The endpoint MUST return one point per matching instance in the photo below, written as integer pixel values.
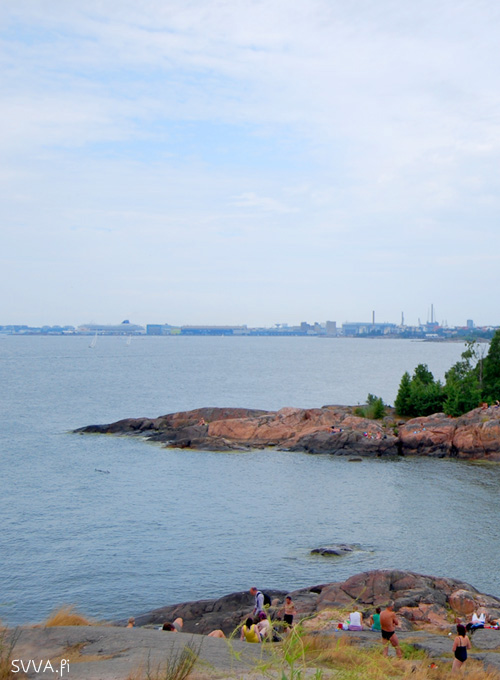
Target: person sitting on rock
(131, 622)
(355, 621)
(249, 631)
(264, 627)
(375, 620)
(216, 633)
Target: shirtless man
(388, 623)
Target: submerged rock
(339, 549)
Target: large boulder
(474, 435)
(420, 601)
(203, 616)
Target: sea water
(118, 526)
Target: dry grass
(351, 662)
(178, 665)
(67, 616)
(7, 645)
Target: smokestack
(373, 318)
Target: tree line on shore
(470, 382)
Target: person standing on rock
(289, 611)
(460, 647)
(259, 601)
(388, 623)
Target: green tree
(419, 395)
(422, 375)
(403, 399)
(463, 382)
(426, 398)
(491, 371)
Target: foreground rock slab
(333, 430)
(110, 653)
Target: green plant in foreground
(293, 663)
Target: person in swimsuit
(388, 623)
(290, 611)
(460, 647)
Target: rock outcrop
(420, 602)
(473, 435)
(334, 430)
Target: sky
(249, 162)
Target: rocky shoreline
(426, 606)
(420, 601)
(334, 430)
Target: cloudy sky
(248, 161)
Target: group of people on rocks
(268, 621)
(386, 622)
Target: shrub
(374, 409)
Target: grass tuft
(67, 616)
(7, 644)
(178, 665)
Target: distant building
(162, 329)
(331, 328)
(367, 328)
(124, 328)
(214, 330)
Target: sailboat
(93, 341)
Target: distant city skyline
(249, 162)
(328, 327)
(372, 317)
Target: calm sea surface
(166, 526)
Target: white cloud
(251, 200)
(325, 141)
